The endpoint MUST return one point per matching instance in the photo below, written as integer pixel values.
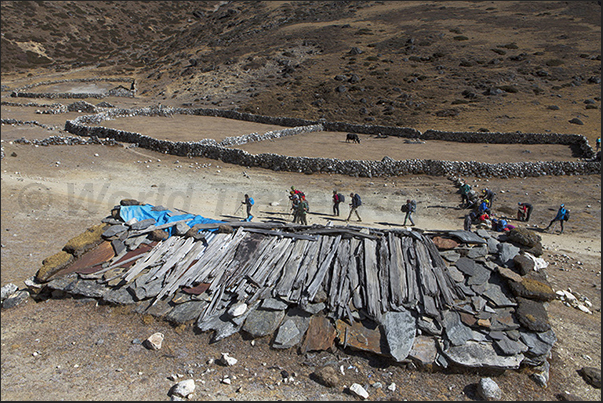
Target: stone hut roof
(441, 298)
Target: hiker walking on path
(301, 211)
(410, 207)
(337, 198)
(356, 202)
(562, 215)
(249, 202)
(598, 143)
(524, 210)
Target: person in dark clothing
(488, 196)
(561, 216)
(248, 202)
(524, 210)
(336, 202)
(410, 207)
(356, 202)
(467, 223)
(302, 210)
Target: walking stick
(237, 210)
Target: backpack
(251, 202)
(341, 198)
(413, 206)
(358, 200)
(567, 215)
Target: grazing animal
(353, 137)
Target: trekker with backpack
(249, 202)
(356, 202)
(562, 215)
(410, 207)
(337, 198)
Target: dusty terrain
(44, 204)
(72, 350)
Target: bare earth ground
(85, 352)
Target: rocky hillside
(390, 63)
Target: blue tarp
(163, 217)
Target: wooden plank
(221, 269)
(427, 280)
(282, 233)
(397, 277)
(202, 268)
(371, 275)
(134, 233)
(383, 265)
(449, 290)
(178, 277)
(213, 303)
(153, 256)
(340, 271)
(285, 283)
(325, 242)
(410, 263)
(248, 252)
(308, 264)
(355, 244)
(270, 261)
(333, 231)
(324, 266)
(278, 270)
(176, 253)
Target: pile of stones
(499, 322)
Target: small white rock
(184, 388)
(154, 341)
(228, 360)
(359, 391)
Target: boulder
(533, 286)
(524, 236)
(532, 315)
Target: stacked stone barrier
(209, 148)
(115, 92)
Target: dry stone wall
(115, 92)
(222, 151)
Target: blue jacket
(560, 213)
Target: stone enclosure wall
(115, 92)
(222, 151)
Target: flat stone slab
(467, 236)
(319, 336)
(399, 329)
(262, 322)
(480, 355)
(360, 337)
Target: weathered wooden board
(397, 276)
(285, 283)
(324, 266)
(371, 277)
(410, 264)
(383, 266)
